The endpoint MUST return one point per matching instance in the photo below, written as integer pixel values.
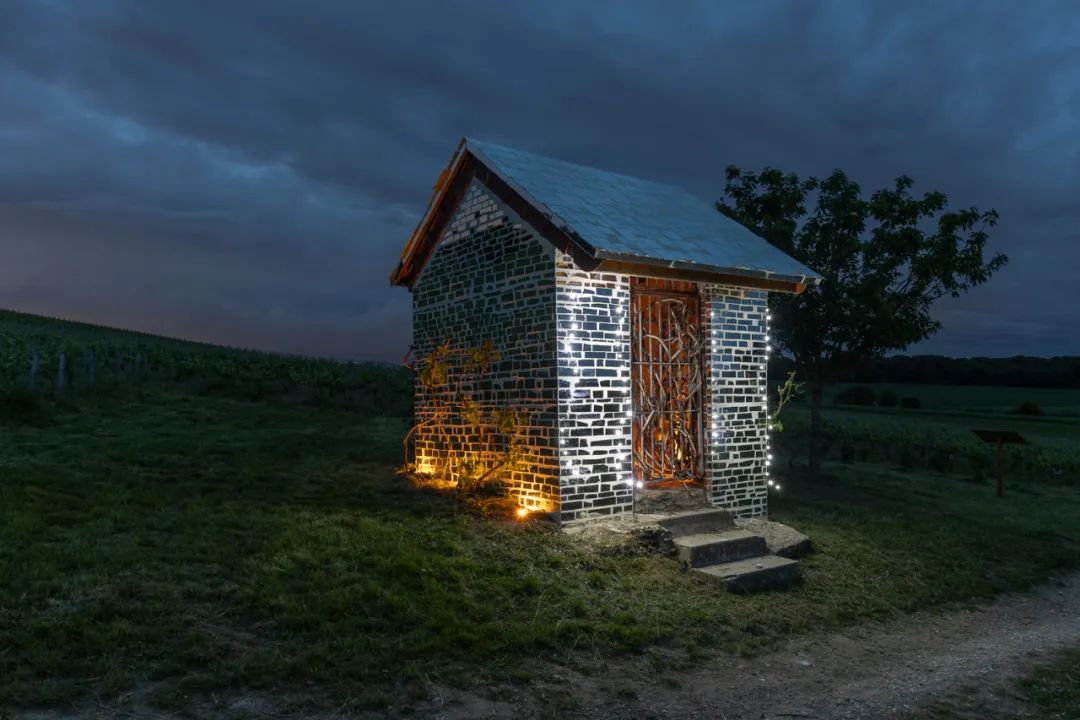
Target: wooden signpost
(1000, 438)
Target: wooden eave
(712, 277)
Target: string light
(574, 368)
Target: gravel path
(877, 670)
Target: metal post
(1000, 468)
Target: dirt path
(873, 671)
(877, 670)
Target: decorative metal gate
(667, 378)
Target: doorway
(667, 382)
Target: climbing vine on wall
(482, 443)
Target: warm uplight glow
(529, 506)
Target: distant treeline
(1019, 371)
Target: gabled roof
(606, 221)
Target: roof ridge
(471, 141)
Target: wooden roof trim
(448, 179)
(701, 276)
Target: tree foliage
(884, 261)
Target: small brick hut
(630, 320)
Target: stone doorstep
(697, 522)
(715, 548)
(734, 554)
(746, 576)
(781, 539)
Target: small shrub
(857, 395)
(887, 398)
(911, 403)
(1028, 408)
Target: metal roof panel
(624, 216)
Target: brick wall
(736, 421)
(492, 277)
(594, 392)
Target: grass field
(976, 398)
(939, 434)
(1048, 429)
(226, 522)
(194, 544)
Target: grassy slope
(209, 543)
(28, 323)
(101, 360)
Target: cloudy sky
(247, 172)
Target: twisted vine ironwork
(667, 380)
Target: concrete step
(697, 522)
(714, 548)
(745, 576)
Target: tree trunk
(816, 392)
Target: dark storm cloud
(248, 172)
